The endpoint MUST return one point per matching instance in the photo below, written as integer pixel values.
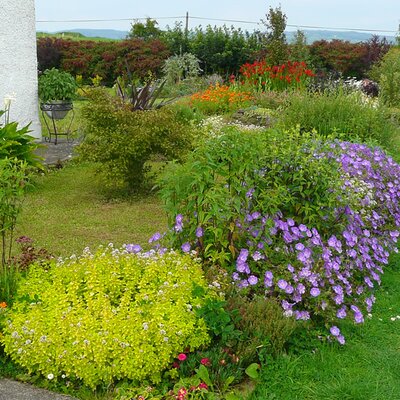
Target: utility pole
(187, 24)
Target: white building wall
(18, 62)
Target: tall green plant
(13, 179)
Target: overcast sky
(364, 14)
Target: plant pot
(57, 109)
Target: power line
(226, 20)
(218, 20)
(341, 29)
(108, 20)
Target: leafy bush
(350, 116)
(107, 316)
(107, 59)
(220, 50)
(49, 55)
(310, 222)
(387, 73)
(180, 67)
(220, 99)
(265, 329)
(340, 56)
(216, 185)
(122, 141)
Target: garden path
(12, 390)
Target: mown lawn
(68, 210)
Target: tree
(299, 50)
(275, 39)
(145, 31)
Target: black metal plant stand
(52, 114)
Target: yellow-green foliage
(107, 316)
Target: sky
(383, 15)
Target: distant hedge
(108, 59)
(220, 50)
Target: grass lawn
(68, 211)
(366, 368)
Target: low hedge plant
(103, 317)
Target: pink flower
(182, 357)
(202, 385)
(205, 361)
(182, 393)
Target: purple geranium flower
(133, 248)
(186, 247)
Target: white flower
(8, 98)
(50, 376)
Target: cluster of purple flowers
(331, 271)
(334, 275)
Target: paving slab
(59, 153)
(12, 390)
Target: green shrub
(387, 73)
(211, 190)
(263, 325)
(180, 67)
(107, 316)
(123, 141)
(350, 116)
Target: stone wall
(18, 62)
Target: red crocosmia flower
(205, 361)
(182, 357)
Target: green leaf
(202, 373)
(252, 371)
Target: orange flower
(3, 305)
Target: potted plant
(57, 89)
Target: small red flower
(182, 357)
(3, 305)
(205, 361)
